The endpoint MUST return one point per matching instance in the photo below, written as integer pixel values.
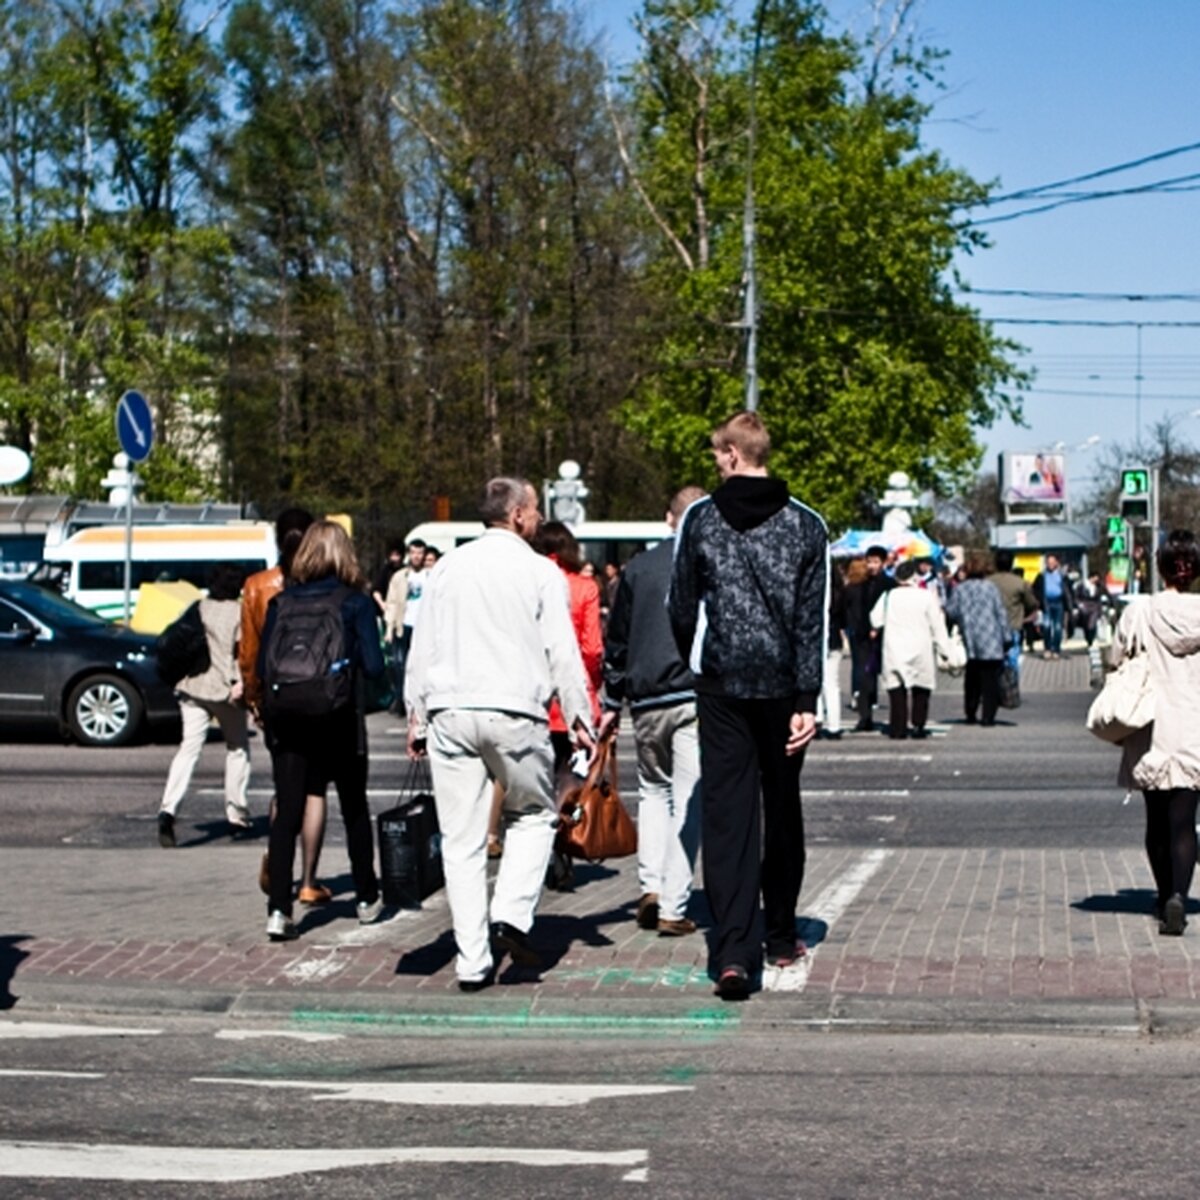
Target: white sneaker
(368, 914)
(280, 927)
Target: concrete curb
(509, 1010)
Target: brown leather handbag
(593, 823)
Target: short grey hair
(500, 496)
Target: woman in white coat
(1163, 759)
(913, 630)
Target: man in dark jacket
(642, 666)
(748, 605)
(866, 643)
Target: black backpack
(182, 648)
(306, 671)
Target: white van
(602, 541)
(89, 567)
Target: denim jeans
(1052, 625)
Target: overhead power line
(1036, 294)
(1161, 185)
(1031, 192)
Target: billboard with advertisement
(1033, 478)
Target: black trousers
(1171, 839)
(898, 715)
(981, 686)
(307, 754)
(746, 773)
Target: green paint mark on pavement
(703, 1020)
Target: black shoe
(919, 733)
(166, 830)
(647, 911)
(477, 985)
(733, 984)
(510, 938)
(865, 727)
(560, 873)
(1173, 919)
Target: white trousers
(468, 749)
(668, 758)
(829, 706)
(196, 715)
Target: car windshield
(50, 607)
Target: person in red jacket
(559, 545)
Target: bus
(89, 567)
(603, 542)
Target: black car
(61, 664)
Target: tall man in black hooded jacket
(748, 605)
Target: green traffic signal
(1135, 481)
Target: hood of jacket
(1174, 620)
(747, 501)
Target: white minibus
(602, 541)
(89, 567)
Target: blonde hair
(325, 550)
(748, 434)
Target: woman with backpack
(290, 527)
(215, 692)
(319, 641)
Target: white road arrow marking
(19, 1073)
(472, 1095)
(246, 1035)
(18, 1030)
(201, 1164)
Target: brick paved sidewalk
(185, 929)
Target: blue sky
(1041, 90)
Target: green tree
(867, 363)
(100, 248)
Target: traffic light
(1118, 545)
(1135, 494)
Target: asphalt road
(196, 1107)
(1035, 780)
(767, 1114)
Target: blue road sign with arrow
(135, 425)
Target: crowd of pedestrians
(512, 658)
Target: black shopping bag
(410, 844)
(1010, 687)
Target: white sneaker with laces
(280, 927)
(368, 914)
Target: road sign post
(135, 432)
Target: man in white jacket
(494, 645)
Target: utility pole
(750, 312)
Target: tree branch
(656, 216)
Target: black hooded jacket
(749, 598)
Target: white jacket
(1166, 754)
(913, 628)
(495, 633)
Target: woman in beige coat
(1163, 759)
(913, 629)
(215, 693)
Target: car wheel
(104, 710)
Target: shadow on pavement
(1127, 900)
(204, 832)
(10, 957)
